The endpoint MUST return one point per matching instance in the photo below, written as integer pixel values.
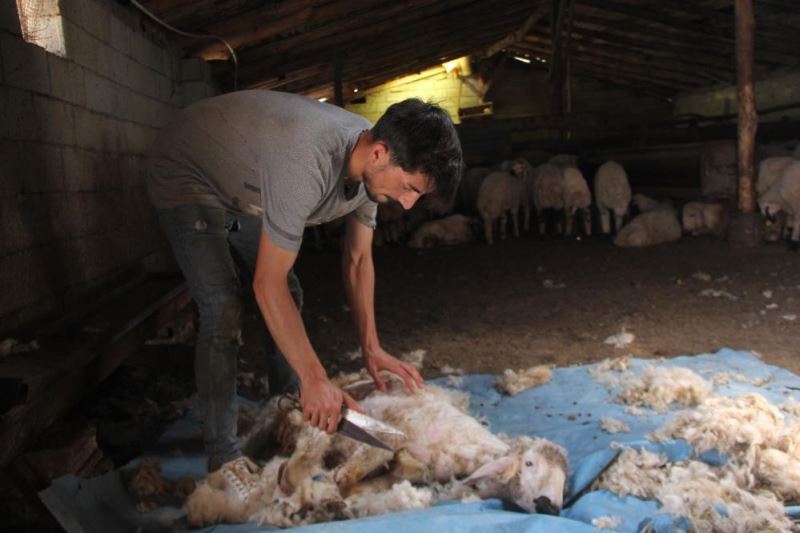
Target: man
(235, 179)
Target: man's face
(385, 182)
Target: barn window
(40, 21)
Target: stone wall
(74, 216)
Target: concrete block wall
(434, 85)
(774, 91)
(74, 215)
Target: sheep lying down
(445, 454)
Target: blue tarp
(567, 410)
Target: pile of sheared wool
(658, 387)
(415, 357)
(613, 425)
(400, 497)
(607, 522)
(752, 432)
(607, 371)
(512, 383)
(712, 499)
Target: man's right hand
(322, 403)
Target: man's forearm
(359, 281)
(286, 327)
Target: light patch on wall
(40, 22)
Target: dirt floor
(529, 301)
(515, 304)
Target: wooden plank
(516, 36)
(67, 366)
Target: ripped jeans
(217, 250)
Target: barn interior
(99, 326)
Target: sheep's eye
(529, 463)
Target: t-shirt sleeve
(288, 196)
(366, 213)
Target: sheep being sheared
(784, 196)
(612, 194)
(577, 200)
(328, 477)
(442, 441)
(499, 194)
(455, 229)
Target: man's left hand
(379, 359)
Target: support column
(746, 226)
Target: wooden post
(748, 116)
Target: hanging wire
(173, 29)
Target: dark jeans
(217, 251)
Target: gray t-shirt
(275, 154)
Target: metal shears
(357, 426)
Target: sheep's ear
(503, 469)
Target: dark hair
(421, 138)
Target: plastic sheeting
(566, 410)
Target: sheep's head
(769, 207)
(692, 217)
(533, 475)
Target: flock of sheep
(561, 199)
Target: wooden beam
(516, 36)
(667, 66)
(748, 116)
(658, 75)
(437, 28)
(664, 61)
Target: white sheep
(499, 194)
(612, 193)
(525, 172)
(784, 196)
(701, 218)
(548, 194)
(467, 197)
(577, 200)
(769, 170)
(644, 203)
(653, 227)
(442, 441)
(454, 229)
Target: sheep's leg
(362, 462)
(569, 218)
(586, 215)
(605, 221)
(542, 221)
(503, 221)
(560, 215)
(617, 223)
(487, 228)
(404, 466)
(526, 221)
(515, 221)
